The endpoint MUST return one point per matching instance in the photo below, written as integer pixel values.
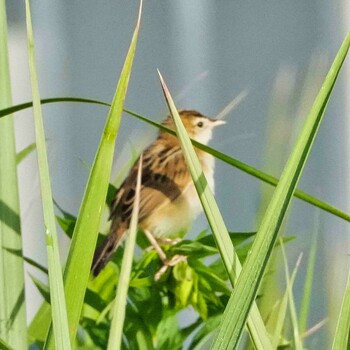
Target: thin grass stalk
(230, 259)
(13, 326)
(76, 274)
(341, 337)
(244, 294)
(120, 302)
(273, 153)
(4, 345)
(277, 333)
(298, 343)
(58, 303)
(39, 326)
(307, 294)
(281, 315)
(271, 180)
(21, 155)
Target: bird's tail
(106, 250)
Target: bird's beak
(217, 122)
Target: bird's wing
(164, 178)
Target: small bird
(168, 198)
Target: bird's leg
(156, 246)
(167, 263)
(172, 262)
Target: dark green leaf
(25, 152)
(42, 288)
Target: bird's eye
(200, 124)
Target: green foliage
(246, 168)
(25, 152)
(57, 297)
(154, 307)
(86, 229)
(12, 300)
(218, 298)
(245, 292)
(255, 324)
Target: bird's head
(198, 126)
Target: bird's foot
(170, 241)
(168, 263)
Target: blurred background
(208, 52)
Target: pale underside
(165, 211)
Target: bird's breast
(175, 218)
(207, 163)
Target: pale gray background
(208, 52)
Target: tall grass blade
(85, 234)
(249, 280)
(116, 330)
(288, 295)
(224, 157)
(21, 155)
(307, 294)
(279, 321)
(232, 264)
(341, 338)
(58, 304)
(39, 327)
(12, 304)
(298, 343)
(4, 345)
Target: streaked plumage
(168, 199)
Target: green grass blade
(224, 157)
(288, 296)
(17, 108)
(84, 239)
(25, 152)
(298, 343)
(116, 330)
(12, 304)
(245, 291)
(341, 338)
(4, 345)
(271, 180)
(232, 264)
(278, 325)
(22, 106)
(39, 327)
(28, 260)
(58, 304)
(307, 294)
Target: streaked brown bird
(168, 198)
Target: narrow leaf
(271, 180)
(42, 288)
(232, 264)
(84, 239)
(28, 260)
(58, 304)
(341, 338)
(282, 310)
(25, 152)
(298, 344)
(120, 302)
(307, 294)
(249, 280)
(39, 327)
(4, 345)
(12, 304)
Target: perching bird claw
(168, 198)
(176, 259)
